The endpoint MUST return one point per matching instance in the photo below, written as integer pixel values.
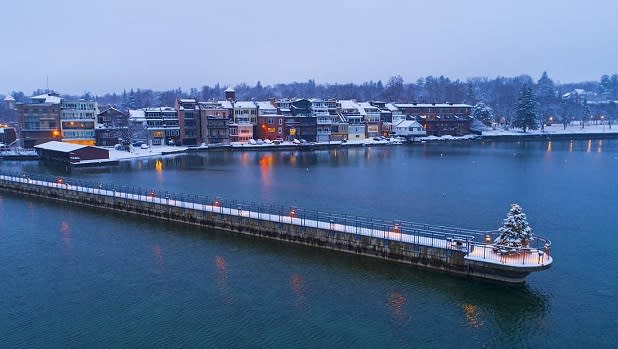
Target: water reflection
(158, 255)
(600, 146)
(396, 301)
(221, 281)
(549, 147)
(472, 315)
(66, 237)
(297, 285)
(266, 164)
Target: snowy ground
(574, 128)
(137, 152)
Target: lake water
(77, 277)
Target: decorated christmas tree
(515, 232)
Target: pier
(448, 249)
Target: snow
(429, 105)
(59, 146)
(530, 258)
(9, 98)
(48, 98)
(244, 105)
(574, 128)
(137, 152)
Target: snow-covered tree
(515, 231)
(525, 110)
(483, 113)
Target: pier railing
(475, 244)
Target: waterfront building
(270, 126)
(371, 118)
(439, 119)
(8, 135)
(39, 120)
(301, 125)
(78, 120)
(112, 127)
(284, 106)
(241, 132)
(350, 111)
(162, 126)
(324, 122)
(396, 113)
(214, 121)
(138, 130)
(266, 108)
(188, 121)
(408, 129)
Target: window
(280, 121)
(270, 121)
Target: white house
(408, 129)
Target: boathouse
(70, 153)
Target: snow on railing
(475, 244)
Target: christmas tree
(515, 232)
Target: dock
(448, 249)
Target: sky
(107, 46)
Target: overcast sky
(107, 46)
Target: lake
(75, 277)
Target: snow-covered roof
(348, 104)
(229, 89)
(226, 104)
(430, 105)
(391, 107)
(60, 146)
(368, 108)
(137, 114)
(245, 105)
(47, 98)
(265, 106)
(9, 98)
(408, 123)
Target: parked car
(144, 146)
(252, 141)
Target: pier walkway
(474, 246)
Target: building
(270, 126)
(320, 111)
(78, 120)
(245, 112)
(372, 119)
(408, 129)
(138, 130)
(349, 111)
(9, 102)
(189, 121)
(440, 119)
(162, 126)
(8, 135)
(241, 133)
(284, 106)
(112, 127)
(39, 120)
(69, 152)
(266, 108)
(214, 122)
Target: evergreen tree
(483, 113)
(525, 110)
(515, 231)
